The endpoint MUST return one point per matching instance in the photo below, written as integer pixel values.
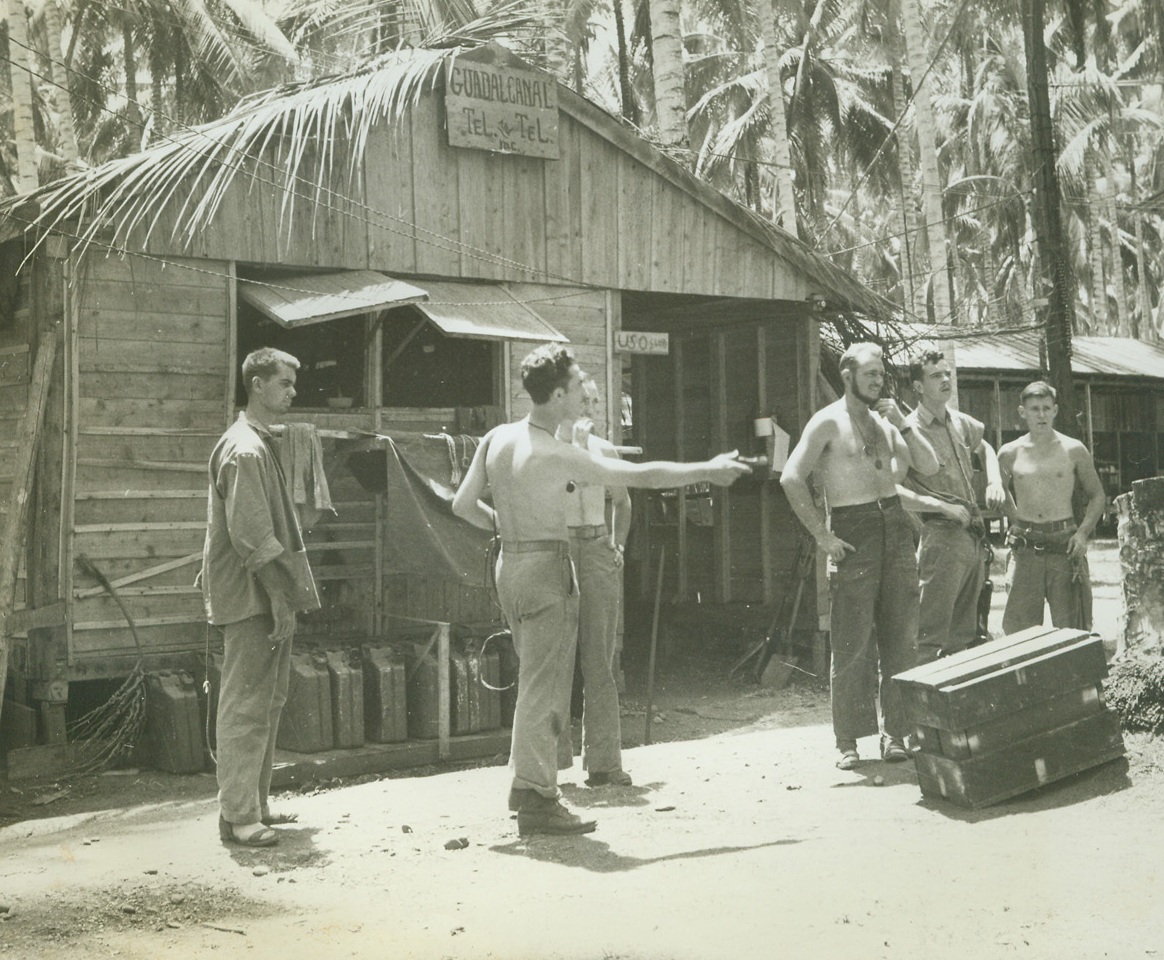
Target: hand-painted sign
(632, 341)
(501, 109)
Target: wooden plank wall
(724, 379)
(745, 560)
(149, 358)
(597, 217)
(789, 351)
(16, 358)
(581, 316)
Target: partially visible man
(597, 554)
(1048, 547)
(952, 552)
(858, 447)
(528, 470)
(255, 578)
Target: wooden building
(572, 228)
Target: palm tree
(670, 84)
(935, 232)
(784, 203)
(22, 70)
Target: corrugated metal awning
(314, 298)
(1019, 352)
(483, 311)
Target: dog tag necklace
(571, 486)
(873, 454)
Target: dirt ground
(739, 839)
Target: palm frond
(271, 136)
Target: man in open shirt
(255, 578)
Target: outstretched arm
(593, 467)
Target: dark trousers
(874, 618)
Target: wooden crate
(1024, 764)
(1011, 715)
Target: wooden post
(1141, 539)
(444, 698)
(27, 441)
(723, 498)
(681, 493)
(764, 409)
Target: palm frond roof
(191, 170)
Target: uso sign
(633, 341)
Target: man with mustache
(858, 448)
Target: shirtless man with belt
(858, 448)
(528, 471)
(1048, 548)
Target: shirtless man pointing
(858, 448)
(528, 472)
(1048, 548)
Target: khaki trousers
(255, 677)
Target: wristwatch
(905, 429)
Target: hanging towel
(301, 458)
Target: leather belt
(592, 531)
(559, 547)
(885, 503)
(1050, 526)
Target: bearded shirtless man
(528, 471)
(1048, 548)
(858, 448)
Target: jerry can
(385, 702)
(173, 737)
(423, 696)
(346, 676)
(307, 725)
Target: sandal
(278, 819)
(265, 837)
(848, 759)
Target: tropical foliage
(892, 136)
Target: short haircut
(1040, 388)
(264, 363)
(917, 366)
(859, 353)
(545, 369)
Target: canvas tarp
(417, 474)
